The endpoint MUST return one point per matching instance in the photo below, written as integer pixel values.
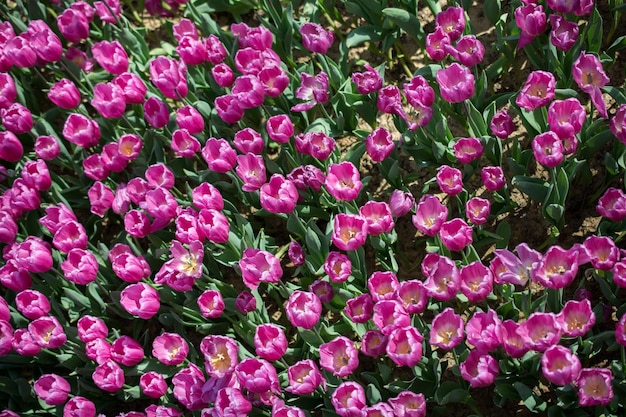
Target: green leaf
(535, 188)
(362, 34)
(450, 392)
(492, 10)
(477, 124)
(531, 400)
(408, 22)
(594, 32)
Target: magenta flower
(108, 376)
(52, 389)
(380, 409)
(323, 290)
(343, 181)
(594, 386)
(245, 302)
(404, 346)
(219, 155)
(211, 304)
(368, 81)
(11, 149)
(111, 56)
(313, 89)
(456, 83)
(80, 267)
(408, 404)
(270, 341)
(140, 300)
(413, 296)
(91, 328)
(548, 149)
(483, 330)
(564, 33)
(373, 343)
(192, 51)
(339, 356)
(492, 178)
(251, 169)
(17, 118)
(467, 150)
(126, 351)
(188, 383)
(279, 128)
(184, 145)
(257, 376)
(429, 215)
(378, 217)
(531, 19)
(477, 210)
(540, 331)
(170, 348)
(566, 117)
(156, 112)
(7, 336)
(169, 76)
(479, 369)
(501, 124)
(73, 25)
(390, 101)
(612, 204)
(455, 234)
(153, 384)
(296, 253)
(248, 140)
(360, 308)
(538, 90)
(81, 130)
(46, 148)
(249, 91)
(450, 180)
(32, 304)
(469, 51)
(207, 196)
(337, 266)
(389, 315)
(8, 91)
(220, 354)
(512, 342)
(400, 202)
(383, 285)
(447, 329)
(315, 38)
(618, 123)
(507, 267)
(576, 318)
(476, 281)
(214, 225)
(557, 268)
(259, 266)
(452, 21)
(79, 406)
(437, 44)
(279, 195)
(590, 77)
(64, 94)
(132, 86)
(317, 144)
(304, 377)
(602, 251)
(349, 231)
(303, 309)
(444, 280)
(348, 399)
(620, 330)
(379, 144)
(47, 332)
(230, 401)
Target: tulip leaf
(405, 20)
(536, 188)
(531, 400)
(492, 10)
(362, 34)
(594, 32)
(451, 392)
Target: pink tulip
(140, 300)
(108, 376)
(296, 253)
(452, 21)
(413, 296)
(349, 231)
(73, 25)
(169, 76)
(111, 56)
(220, 354)
(259, 37)
(188, 383)
(211, 304)
(339, 356)
(317, 144)
(400, 202)
(389, 315)
(228, 108)
(368, 81)
(590, 77)
(32, 304)
(437, 44)
(447, 329)
(477, 210)
(456, 83)
(540, 331)
(245, 302)
(170, 348)
(408, 403)
(479, 369)
(109, 11)
(215, 49)
(315, 38)
(343, 181)
(249, 140)
(153, 384)
(81, 130)
(192, 51)
(576, 318)
(564, 33)
(566, 117)
(618, 123)
(512, 342)
(11, 149)
(270, 341)
(207, 196)
(360, 308)
(612, 204)
(251, 170)
(476, 282)
(383, 285)
(492, 178)
(348, 399)
(557, 268)
(602, 251)
(137, 223)
(259, 266)
(594, 387)
(17, 119)
(390, 101)
(156, 112)
(132, 86)
(8, 91)
(455, 234)
(219, 155)
(379, 144)
(279, 128)
(307, 176)
(404, 346)
(231, 402)
(303, 309)
(304, 377)
(483, 330)
(338, 267)
(467, 150)
(22, 341)
(531, 19)
(378, 217)
(538, 90)
(79, 406)
(47, 332)
(548, 149)
(443, 281)
(373, 343)
(257, 376)
(126, 351)
(313, 89)
(91, 328)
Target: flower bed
(272, 208)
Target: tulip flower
(270, 341)
(594, 387)
(153, 384)
(538, 90)
(360, 308)
(248, 140)
(315, 38)
(343, 181)
(590, 77)
(220, 354)
(348, 399)
(279, 128)
(456, 83)
(479, 369)
(404, 346)
(349, 231)
(447, 330)
(303, 309)
(339, 356)
(408, 403)
(140, 300)
(379, 144)
(368, 81)
(576, 318)
(313, 89)
(188, 383)
(531, 19)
